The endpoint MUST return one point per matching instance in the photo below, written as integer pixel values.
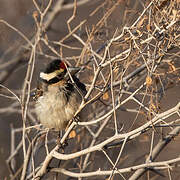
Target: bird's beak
(72, 71)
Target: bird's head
(57, 71)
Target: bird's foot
(61, 145)
(76, 119)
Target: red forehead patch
(62, 65)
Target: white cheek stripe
(49, 76)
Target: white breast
(54, 110)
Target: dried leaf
(148, 81)
(72, 134)
(127, 39)
(172, 67)
(139, 32)
(141, 22)
(148, 27)
(105, 96)
(35, 14)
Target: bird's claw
(61, 145)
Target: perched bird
(58, 96)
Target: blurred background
(14, 56)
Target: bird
(58, 95)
